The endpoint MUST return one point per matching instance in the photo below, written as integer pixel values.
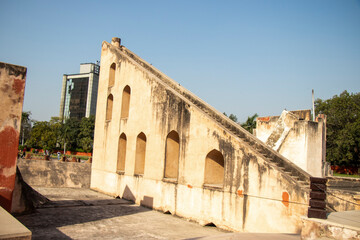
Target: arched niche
(125, 103)
(214, 168)
(109, 107)
(140, 154)
(172, 155)
(121, 153)
(112, 75)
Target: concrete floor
(86, 214)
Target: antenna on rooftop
(313, 105)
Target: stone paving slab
(350, 219)
(10, 228)
(86, 214)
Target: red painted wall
(12, 85)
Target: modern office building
(79, 92)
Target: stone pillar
(115, 41)
(62, 99)
(12, 86)
(317, 198)
(89, 94)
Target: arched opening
(125, 103)
(109, 106)
(214, 168)
(121, 153)
(140, 154)
(112, 75)
(172, 155)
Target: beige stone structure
(160, 146)
(12, 88)
(297, 138)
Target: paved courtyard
(86, 214)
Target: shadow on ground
(48, 218)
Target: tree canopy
(231, 116)
(343, 128)
(25, 128)
(76, 135)
(250, 123)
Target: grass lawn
(345, 175)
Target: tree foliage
(25, 128)
(86, 135)
(250, 123)
(75, 134)
(343, 128)
(43, 136)
(231, 116)
(70, 132)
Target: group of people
(22, 153)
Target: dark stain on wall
(245, 161)
(173, 113)
(262, 169)
(227, 149)
(14, 70)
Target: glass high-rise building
(79, 92)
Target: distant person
(58, 154)
(23, 152)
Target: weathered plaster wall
(262, 192)
(12, 86)
(343, 193)
(295, 137)
(265, 126)
(323, 229)
(55, 174)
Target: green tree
(250, 123)
(42, 136)
(86, 134)
(69, 133)
(231, 116)
(25, 128)
(343, 128)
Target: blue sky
(242, 57)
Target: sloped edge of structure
(299, 176)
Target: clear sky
(242, 57)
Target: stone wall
(44, 173)
(12, 87)
(343, 193)
(160, 146)
(297, 138)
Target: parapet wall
(42, 173)
(343, 193)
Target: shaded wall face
(121, 153)
(172, 155)
(55, 174)
(12, 85)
